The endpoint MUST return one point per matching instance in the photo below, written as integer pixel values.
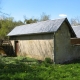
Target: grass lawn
(20, 68)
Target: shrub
(48, 60)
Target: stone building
(51, 38)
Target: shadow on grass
(19, 69)
(29, 69)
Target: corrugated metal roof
(77, 30)
(36, 28)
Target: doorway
(16, 47)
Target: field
(21, 68)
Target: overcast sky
(34, 8)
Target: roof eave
(31, 34)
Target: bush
(48, 60)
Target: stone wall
(35, 46)
(62, 45)
(75, 51)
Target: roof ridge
(42, 21)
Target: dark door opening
(16, 47)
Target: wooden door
(16, 47)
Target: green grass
(20, 68)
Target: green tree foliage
(6, 25)
(29, 21)
(43, 17)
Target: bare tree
(75, 21)
(44, 17)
